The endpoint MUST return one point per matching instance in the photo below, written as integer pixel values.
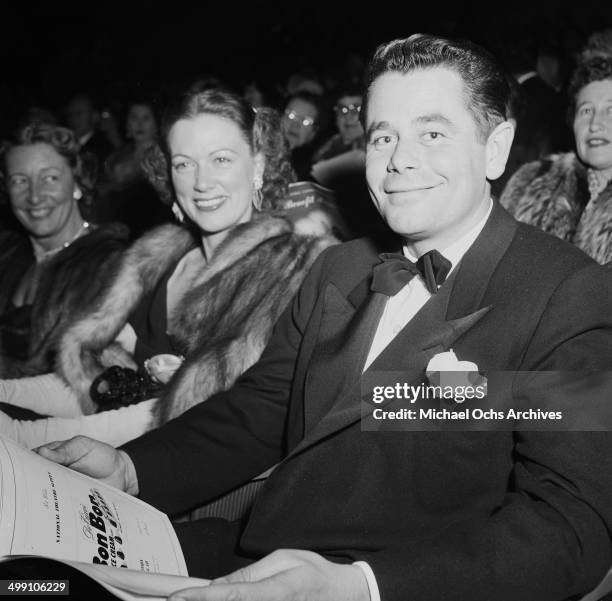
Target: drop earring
(178, 212)
(257, 194)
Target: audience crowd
(147, 250)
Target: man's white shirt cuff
(370, 578)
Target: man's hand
(93, 458)
(285, 575)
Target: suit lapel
(333, 386)
(346, 328)
(480, 261)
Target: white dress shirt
(402, 307)
(398, 311)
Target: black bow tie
(394, 271)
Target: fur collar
(553, 194)
(252, 274)
(70, 281)
(549, 194)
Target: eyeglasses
(347, 109)
(303, 121)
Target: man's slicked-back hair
(484, 81)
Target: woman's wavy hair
(591, 68)
(260, 128)
(83, 165)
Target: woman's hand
(94, 458)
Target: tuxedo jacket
(437, 515)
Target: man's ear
(260, 165)
(497, 149)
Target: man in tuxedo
(351, 514)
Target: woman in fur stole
(59, 263)
(570, 195)
(209, 290)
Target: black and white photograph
(306, 301)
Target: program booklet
(51, 511)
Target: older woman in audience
(570, 195)
(59, 263)
(194, 302)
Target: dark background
(54, 49)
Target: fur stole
(70, 282)
(594, 232)
(221, 324)
(553, 195)
(549, 194)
